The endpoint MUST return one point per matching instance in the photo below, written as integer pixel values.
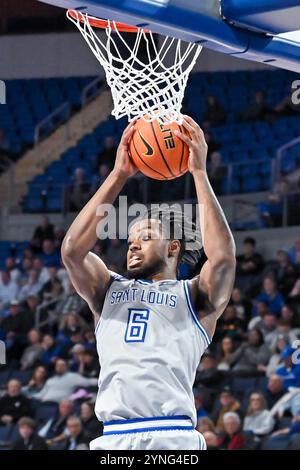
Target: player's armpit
(213, 287)
(90, 277)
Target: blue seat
(44, 412)
(22, 375)
(243, 387)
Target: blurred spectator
(294, 250)
(14, 405)
(227, 402)
(275, 360)
(70, 324)
(212, 145)
(205, 424)
(108, 155)
(31, 287)
(89, 364)
(290, 371)
(36, 383)
(53, 288)
(268, 327)
(287, 438)
(295, 292)
(288, 313)
(11, 267)
(76, 359)
(33, 352)
(258, 419)
(274, 391)
(99, 179)
(285, 272)
(28, 439)
(38, 266)
(63, 383)
(258, 110)
(287, 107)
(8, 289)
(59, 234)
(211, 439)
(44, 231)
(78, 439)
(79, 191)
(214, 113)
(249, 267)
(89, 339)
(72, 302)
(208, 378)
(271, 210)
(284, 329)
(234, 438)
(91, 425)
(262, 310)
(199, 399)
(30, 308)
(51, 350)
(250, 355)
(227, 349)
(50, 255)
(216, 172)
(17, 321)
(25, 271)
(28, 254)
(54, 429)
(230, 325)
(242, 305)
(271, 296)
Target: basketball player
(151, 329)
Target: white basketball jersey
(150, 342)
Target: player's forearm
(218, 242)
(81, 236)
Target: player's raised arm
(87, 271)
(217, 275)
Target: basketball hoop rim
(103, 24)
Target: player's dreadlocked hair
(178, 226)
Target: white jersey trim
(194, 313)
(148, 424)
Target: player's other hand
(124, 166)
(196, 143)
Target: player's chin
(134, 272)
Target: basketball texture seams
(157, 151)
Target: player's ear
(174, 248)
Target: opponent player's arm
(87, 272)
(217, 275)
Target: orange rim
(102, 24)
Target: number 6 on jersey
(136, 325)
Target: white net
(142, 81)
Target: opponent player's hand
(196, 144)
(124, 166)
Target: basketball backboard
(248, 29)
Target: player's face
(147, 250)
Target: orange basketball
(157, 151)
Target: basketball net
(150, 89)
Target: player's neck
(166, 274)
